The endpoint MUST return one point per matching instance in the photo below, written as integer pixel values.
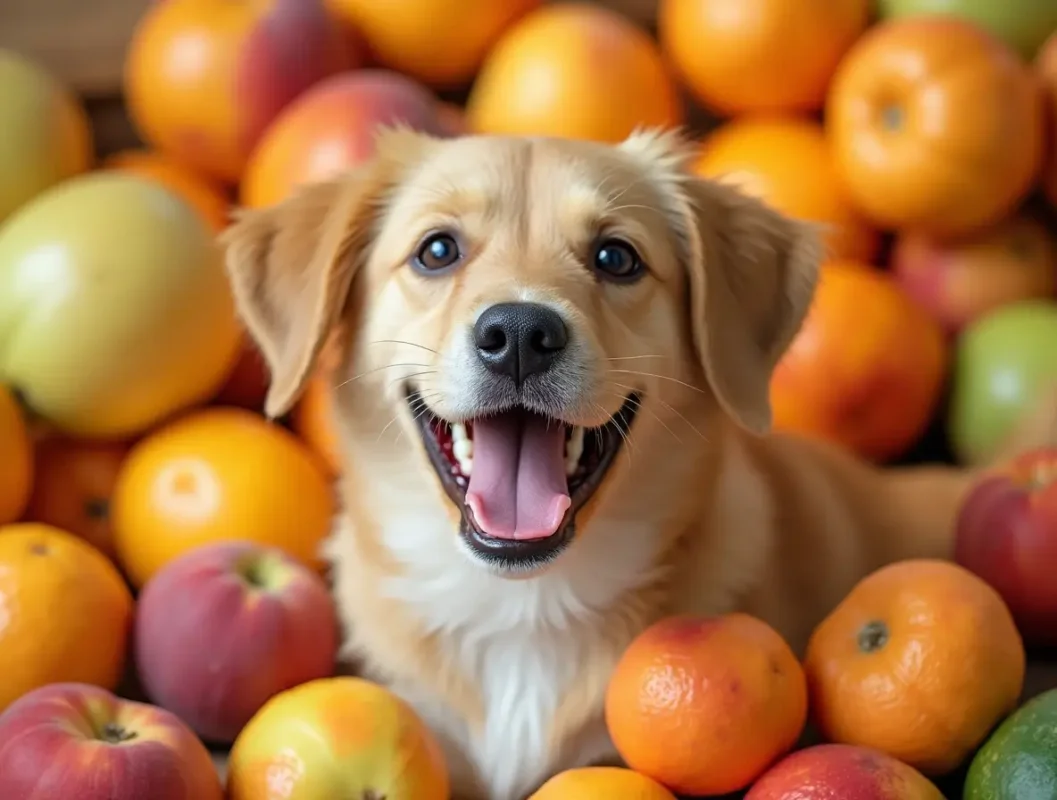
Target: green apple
(1003, 362)
(115, 311)
(45, 137)
(1022, 24)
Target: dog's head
(522, 304)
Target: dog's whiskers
(668, 406)
(639, 407)
(659, 377)
(401, 341)
(355, 378)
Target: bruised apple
(227, 626)
(80, 742)
(1007, 534)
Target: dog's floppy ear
(752, 274)
(290, 267)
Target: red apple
(1007, 534)
(958, 282)
(79, 742)
(225, 627)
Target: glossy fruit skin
(960, 281)
(786, 161)
(592, 783)
(47, 136)
(213, 475)
(1022, 24)
(204, 78)
(865, 370)
(705, 705)
(759, 55)
(946, 154)
(842, 772)
(1046, 69)
(69, 612)
(1006, 533)
(16, 459)
(73, 487)
(331, 128)
(206, 197)
(117, 338)
(919, 661)
(402, 34)
(227, 626)
(338, 736)
(1003, 363)
(573, 70)
(52, 746)
(1019, 760)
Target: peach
(225, 627)
(958, 282)
(204, 78)
(79, 742)
(332, 127)
(337, 737)
(829, 771)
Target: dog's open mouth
(520, 477)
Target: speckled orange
(704, 705)
(920, 661)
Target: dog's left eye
(437, 251)
(617, 260)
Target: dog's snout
(519, 339)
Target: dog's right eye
(437, 251)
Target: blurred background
(918, 133)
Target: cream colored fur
(704, 511)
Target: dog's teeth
(462, 448)
(458, 431)
(574, 449)
(465, 466)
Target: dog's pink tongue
(518, 488)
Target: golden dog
(552, 399)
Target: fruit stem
(259, 571)
(371, 794)
(113, 733)
(873, 636)
(892, 118)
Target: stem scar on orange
(919, 661)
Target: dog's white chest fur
(520, 643)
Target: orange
(936, 126)
(313, 420)
(759, 55)
(592, 783)
(200, 193)
(705, 705)
(220, 473)
(1046, 68)
(403, 34)
(786, 162)
(66, 612)
(16, 458)
(865, 370)
(574, 70)
(73, 486)
(919, 661)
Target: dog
(550, 382)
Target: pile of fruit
(160, 538)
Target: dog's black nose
(519, 339)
